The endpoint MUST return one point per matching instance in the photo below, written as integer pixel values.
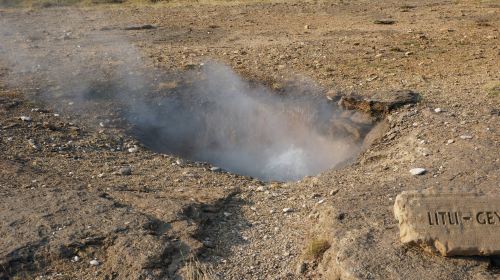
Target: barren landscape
(241, 140)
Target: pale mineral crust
(451, 223)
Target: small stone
(33, 145)
(450, 141)
(179, 161)
(321, 201)
(94, 262)
(384, 21)
(287, 210)
(25, 118)
(227, 214)
(260, 188)
(465, 137)
(306, 27)
(437, 110)
(408, 53)
(215, 169)
(334, 192)
(125, 171)
(417, 171)
(301, 268)
(208, 244)
(76, 258)
(425, 152)
(133, 149)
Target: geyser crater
(215, 116)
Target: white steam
(244, 128)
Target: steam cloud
(211, 114)
(244, 128)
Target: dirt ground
(66, 191)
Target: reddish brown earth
(173, 219)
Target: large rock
(379, 106)
(451, 223)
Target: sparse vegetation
(316, 248)
(195, 270)
(493, 88)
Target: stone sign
(451, 223)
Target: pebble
(334, 191)
(76, 258)
(94, 262)
(215, 169)
(33, 145)
(287, 210)
(450, 141)
(260, 188)
(418, 171)
(425, 152)
(133, 149)
(384, 21)
(25, 118)
(437, 110)
(227, 214)
(301, 268)
(208, 244)
(125, 171)
(465, 136)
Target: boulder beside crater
(379, 106)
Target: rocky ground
(82, 198)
